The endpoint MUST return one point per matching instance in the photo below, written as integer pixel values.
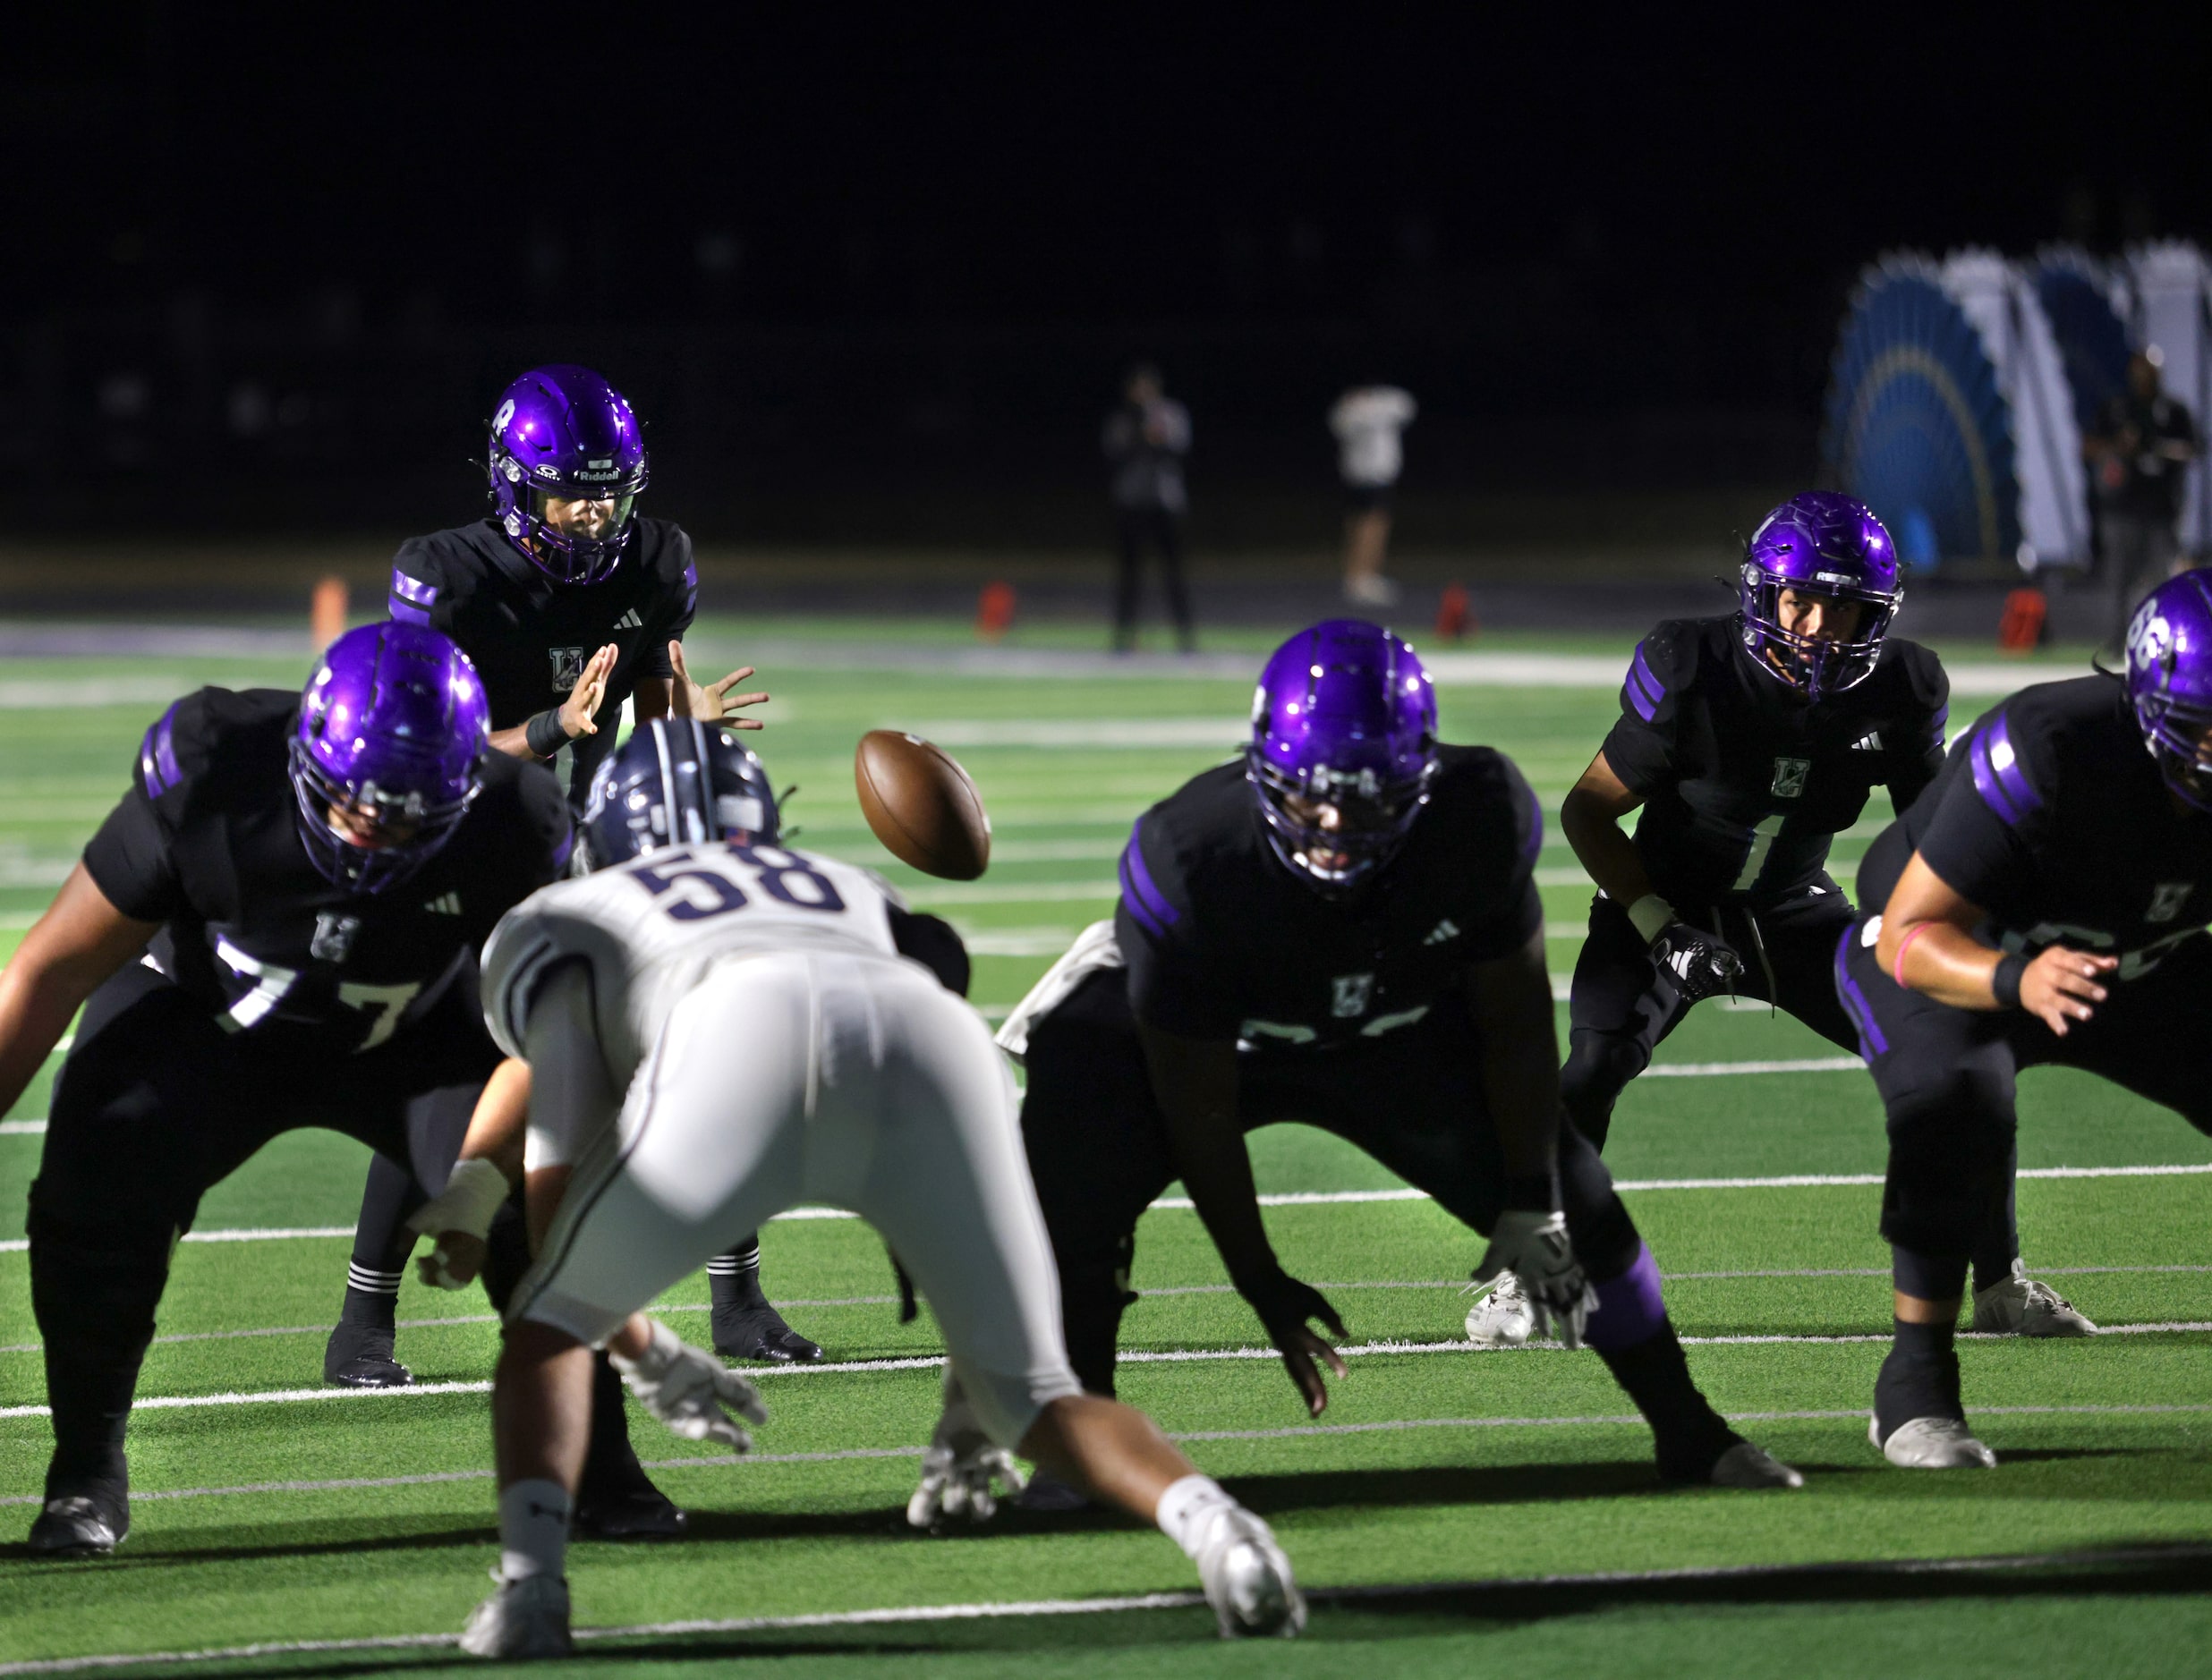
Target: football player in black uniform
(315, 874)
(1341, 929)
(570, 604)
(2043, 904)
(1749, 742)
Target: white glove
(686, 1387)
(958, 1468)
(471, 1199)
(1534, 1248)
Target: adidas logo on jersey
(1443, 933)
(444, 905)
(630, 621)
(1868, 743)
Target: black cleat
(359, 1356)
(634, 1511)
(759, 1332)
(90, 1520)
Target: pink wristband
(1897, 969)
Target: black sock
(1919, 1378)
(1998, 1245)
(1686, 1433)
(372, 1298)
(610, 1465)
(734, 1277)
(381, 1244)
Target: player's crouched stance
(2044, 905)
(1342, 929)
(719, 1027)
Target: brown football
(922, 805)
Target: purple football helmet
(1820, 543)
(394, 726)
(1345, 716)
(2169, 679)
(563, 434)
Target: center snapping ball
(922, 805)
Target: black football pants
(1099, 1151)
(1137, 529)
(1623, 1005)
(1947, 1082)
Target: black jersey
(530, 636)
(1744, 782)
(206, 842)
(1221, 941)
(2051, 817)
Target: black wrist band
(1530, 1190)
(544, 735)
(2005, 981)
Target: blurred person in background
(1368, 420)
(2141, 452)
(1146, 437)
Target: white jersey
(1367, 422)
(651, 928)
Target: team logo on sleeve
(1348, 995)
(567, 668)
(333, 936)
(2166, 899)
(1790, 776)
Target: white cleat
(2021, 1306)
(1503, 1316)
(1746, 1465)
(1932, 1444)
(524, 1619)
(1248, 1578)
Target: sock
(533, 1530)
(1629, 1308)
(1186, 1509)
(1919, 1378)
(733, 1279)
(1686, 1433)
(372, 1297)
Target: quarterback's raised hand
(579, 710)
(714, 703)
(1702, 963)
(1288, 1307)
(1533, 1245)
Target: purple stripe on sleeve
(561, 852)
(691, 576)
(1985, 782)
(1871, 1043)
(157, 755)
(412, 591)
(1145, 918)
(1139, 878)
(1643, 707)
(2006, 764)
(1935, 723)
(1641, 668)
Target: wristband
(471, 1197)
(2004, 982)
(1651, 914)
(1897, 969)
(544, 735)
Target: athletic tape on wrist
(544, 735)
(470, 1197)
(1651, 914)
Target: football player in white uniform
(719, 1027)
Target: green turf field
(268, 1513)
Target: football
(922, 805)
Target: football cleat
(1503, 1317)
(761, 1333)
(89, 1524)
(523, 1620)
(1746, 1465)
(624, 1505)
(2021, 1306)
(359, 1356)
(1051, 1495)
(1248, 1578)
(1932, 1444)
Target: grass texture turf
(1452, 1508)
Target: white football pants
(852, 1080)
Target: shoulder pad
(1664, 667)
(1998, 755)
(1141, 891)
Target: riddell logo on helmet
(1360, 782)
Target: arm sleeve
(931, 941)
(572, 1099)
(1641, 744)
(131, 859)
(420, 592)
(1512, 843)
(1170, 983)
(1979, 840)
(1917, 758)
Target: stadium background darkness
(875, 284)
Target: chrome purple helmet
(1820, 543)
(394, 726)
(677, 781)
(2169, 679)
(1345, 716)
(563, 434)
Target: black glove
(1700, 963)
